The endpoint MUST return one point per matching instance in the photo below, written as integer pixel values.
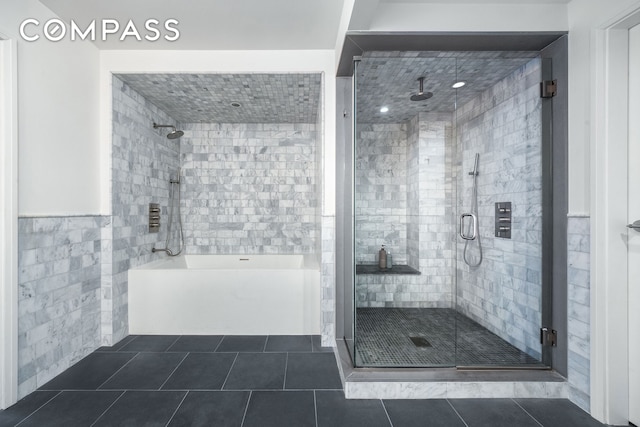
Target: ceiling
(263, 98)
(390, 78)
(215, 24)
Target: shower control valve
(503, 220)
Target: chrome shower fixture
(421, 95)
(171, 135)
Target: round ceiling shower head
(421, 95)
(175, 134)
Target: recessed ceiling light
(384, 109)
(235, 104)
(458, 85)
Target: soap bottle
(382, 258)
(389, 260)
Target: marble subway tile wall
(503, 124)
(143, 160)
(427, 218)
(578, 328)
(381, 191)
(250, 188)
(59, 282)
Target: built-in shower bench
(374, 269)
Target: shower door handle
(474, 222)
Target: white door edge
(8, 223)
(609, 294)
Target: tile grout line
(39, 407)
(386, 413)
(174, 371)
(246, 408)
(457, 413)
(220, 342)
(527, 412)
(172, 344)
(116, 372)
(286, 365)
(177, 408)
(315, 406)
(229, 373)
(109, 407)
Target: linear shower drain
(420, 342)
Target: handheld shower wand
(472, 230)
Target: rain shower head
(174, 134)
(421, 95)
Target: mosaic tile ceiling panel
(213, 98)
(390, 78)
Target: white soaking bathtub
(226, 295)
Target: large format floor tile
(147, 371)
(493, 413)
(312, 371)
(150, 343)
(257, 371)
(72, 408)
(201, 371)
(290, 343)
(427, 413)
(280, 408)
(557, 413)
(336, 411)
(89, 373)
(142, 408)
(25, 407)
(243, 343)
(211, 408)
(196, 343)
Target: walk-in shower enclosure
(450, 298)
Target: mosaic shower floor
(424, 337)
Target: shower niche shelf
(396, 269)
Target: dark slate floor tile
(280, 408)
(316, 340)
(256, 371)
(242, 343)
(142, 408)
(492, 413)
(90, 372)
(117, 346)
(72, 408)
(557, 413)
(201, 371)
(289, 343)
(312, 371)
(336, 411)
(196, 343)
(25, 407)
(211, 408)
(150, 343)
(146, 371)
(425, 413)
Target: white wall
(534, 16)
(585, 17)
(290, 61)
(58, 118)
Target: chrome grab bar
(474, 222)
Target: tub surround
(226, 295)
(250, 188)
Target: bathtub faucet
(166, 250)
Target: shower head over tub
(171, 135)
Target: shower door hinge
(548, 88)
(548, 337)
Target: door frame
(609, 295)
(8, 222)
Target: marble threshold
(446, 383)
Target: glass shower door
(404, 199)
(498, 176)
